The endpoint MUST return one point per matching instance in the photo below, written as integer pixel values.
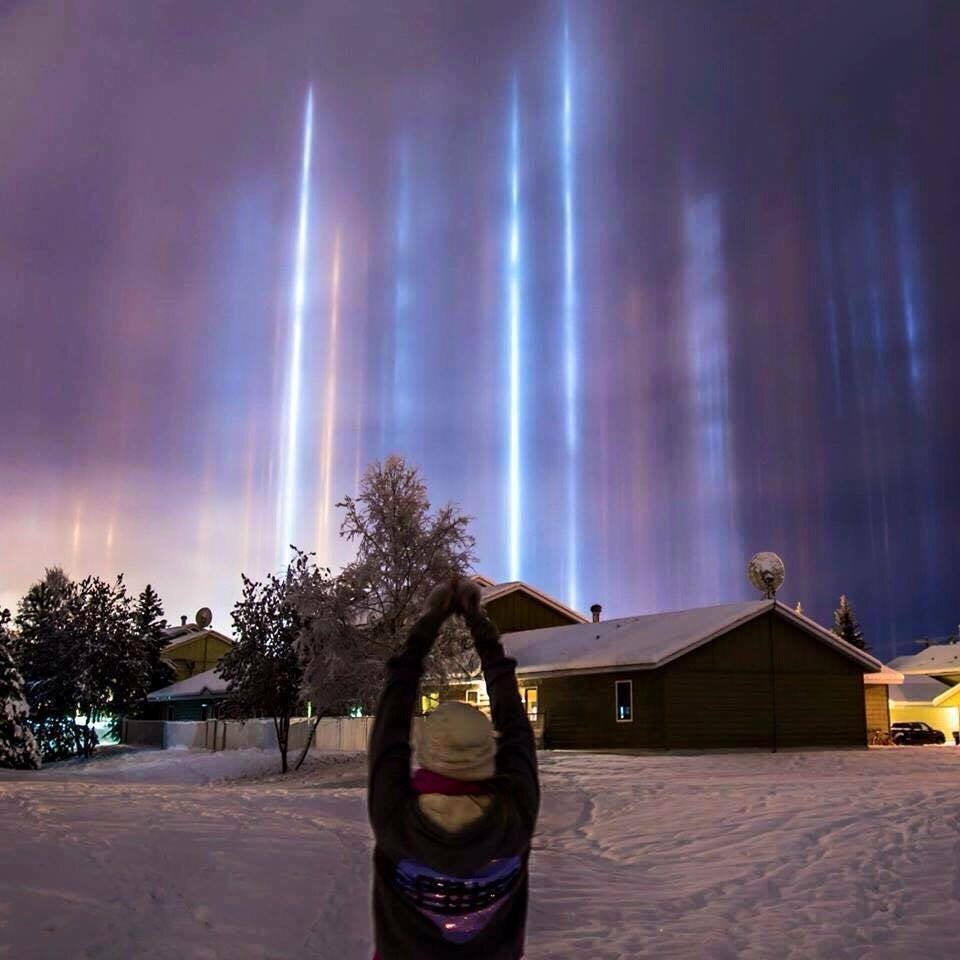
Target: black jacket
(439, 895)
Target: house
(515, 606)
(878, 692)
(194, 648)
(754, 674)
(931, 688)
(201, 696)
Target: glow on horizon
(288, 486)
(514, 496)
(329, 413)
(569, 324)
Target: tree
(148, 624)
(53, 665)
(139, 668)
(403, 551)
(263, 670)
(354, 622)
(18, 748)
(846, 627)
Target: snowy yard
(145, 855)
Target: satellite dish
(204, 618)
(765, 571)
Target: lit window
(530, 702)
(624, 692)
(473, 696)
(429, 701)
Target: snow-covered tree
(52, 663)
(845, 625)
(148, 626)
(18, 748)
(403, 551)
(263, 670)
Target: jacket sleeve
(388, 753)
(516, 752)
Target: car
(916, 732)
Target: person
(452, 842)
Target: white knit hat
(456, 740)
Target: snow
(196, 686)
(154, 854)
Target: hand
(467, 597)
(440, 600)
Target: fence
(332, 734)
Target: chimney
(595, 610)
(183, 619)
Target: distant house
(930, 692)
(753, 674)
(198, 697)
(193, 649)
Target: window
(624, 692)
(170, 713)
(473, 696)
(530, 702)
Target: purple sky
(731, 316)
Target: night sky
(645, 287)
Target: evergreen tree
(263, 670)
(148, 624)
(845, 625)
(50, 664)
(18, 748)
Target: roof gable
(181, 641)
(650, 641)
(495, 591)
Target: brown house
(753, 674)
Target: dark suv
(904, 733)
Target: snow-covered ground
(799, 855)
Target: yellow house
(193, 649)
(928, 700)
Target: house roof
(208, 683)
(194, 633)
(649, 641)
(884, 676)
(938, 658)
(493, 591)
(916, 689)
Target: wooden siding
(743, 689)
(518, 611)
(197, 655)
(877, 702)
(579, 712)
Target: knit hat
(456, 740)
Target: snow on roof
(193, 634)
(493, 591)
(917, 689)
(648, 641)
(937, 658)
(209, 682)
(884, 675)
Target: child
(453, 841)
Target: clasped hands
(456, 595)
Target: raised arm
(388, 754)
(516, 752)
